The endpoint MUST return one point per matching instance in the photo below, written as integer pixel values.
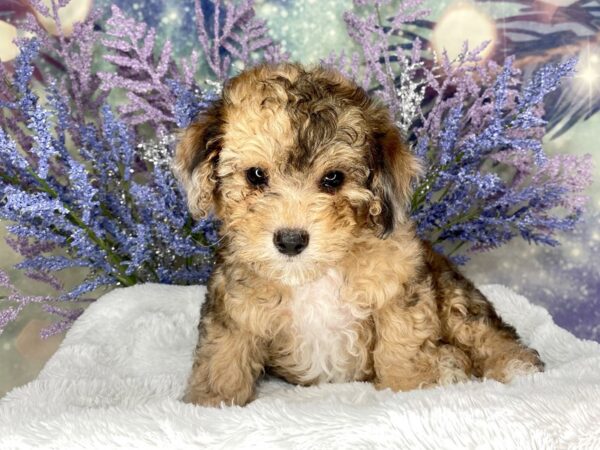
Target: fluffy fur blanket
(117, 377)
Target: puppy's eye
(256, 176)
(332, 180)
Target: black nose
(290, 241)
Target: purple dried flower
(51, 263)
(187, 104)
(86, 207)
(24, 68)
(72, 55)
(61, 326)
(9, 154)
(7, 315)
(43, 276)
(239, 36)
(150, 82)
(88, 286)
(4, 280)
(85, 200)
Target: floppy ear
(394, 168)
(196, 158)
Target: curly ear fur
(196, 158)
(393, 171)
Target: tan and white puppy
(320, 276)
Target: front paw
(199, 398)
(202, 397)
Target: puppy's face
(296, 164)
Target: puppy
(320, 276)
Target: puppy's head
(296, 164)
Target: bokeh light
(75, 11)
(460, 22)
(8, 50)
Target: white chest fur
(325, 328)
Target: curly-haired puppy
(320, 276)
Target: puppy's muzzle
(289, 241)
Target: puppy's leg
(470, 322)
(408, 354)
(227, 363)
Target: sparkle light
(307, 29)
(587, 78)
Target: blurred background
(564, 279)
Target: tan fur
(366, 300)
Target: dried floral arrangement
(86, 184)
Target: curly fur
(366, 300)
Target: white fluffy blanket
(117, 377)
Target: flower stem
(455, 249)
